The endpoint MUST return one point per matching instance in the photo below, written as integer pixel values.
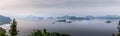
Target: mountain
(29, 17)
(108, 17)
(89, 17)
(76, 18)
(4, 20)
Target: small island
(108, 21)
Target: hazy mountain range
(112, 17)
(4, 20)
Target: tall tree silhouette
(45, 32)
(13, 28)
(118, 34)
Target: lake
(96, 27)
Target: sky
(59, 7)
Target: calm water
(76, 28)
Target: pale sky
(59, 7)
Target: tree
(118, 34)
(13, 28)
(119, 23)
(45, 32)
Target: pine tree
(118, 29)
(45, 32)
(119, 23)
(13, 28)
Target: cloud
(73, 3)
(59, 7)
(55, 3)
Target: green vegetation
(45, 33)
(13, 28)
(3, 33)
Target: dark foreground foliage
(45, 33)
(3, 33)
(118, 34)
(13, 28)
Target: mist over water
(81, 10)
(94, 27)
